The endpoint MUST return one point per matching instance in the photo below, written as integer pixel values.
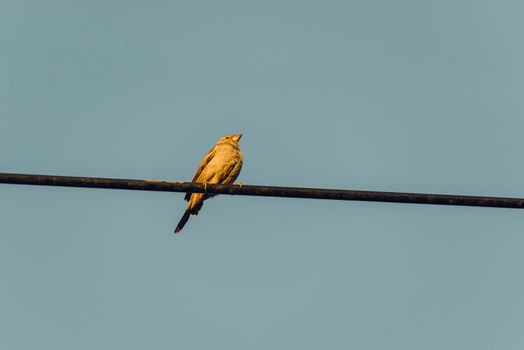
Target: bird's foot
(205, 187)
(239, 184)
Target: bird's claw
(239, 184)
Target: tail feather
(183, 221)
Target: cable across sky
(266, 191)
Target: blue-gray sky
(422, 96)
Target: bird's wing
(207, 158)
(232, 172)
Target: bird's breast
(227, 159)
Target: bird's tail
(182, 221)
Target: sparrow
(221, 165)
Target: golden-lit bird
(221, 165)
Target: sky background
(416, 96)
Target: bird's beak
(237, 137)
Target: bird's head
(230, 137)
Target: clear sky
(421, 96)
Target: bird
(221, 165)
